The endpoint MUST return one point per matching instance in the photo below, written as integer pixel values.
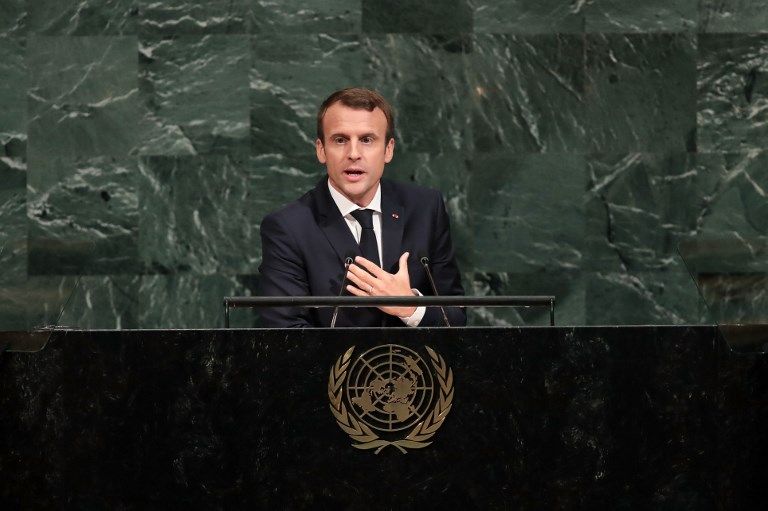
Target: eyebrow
(344, 135)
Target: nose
(354, 150)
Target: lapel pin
(395, 216)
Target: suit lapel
(333, 224)
(392, 219)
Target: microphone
(348, 259)
(424, 260)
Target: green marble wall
(577, 143)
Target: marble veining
(83, 17)
(739, 16)
(181, 84)
(576, 144)
(732, 111)
(82, 96)
(83, 217)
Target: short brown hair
(358, 98)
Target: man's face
(354, 150)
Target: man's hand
(373, 281)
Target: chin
(356, 190)
(355, 195)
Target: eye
(366, 140)
(339, 140)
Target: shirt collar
(346, 206)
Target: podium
(540, 417)
(527, 417)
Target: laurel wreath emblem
(363, 436)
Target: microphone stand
(347, 263)
(425, 263)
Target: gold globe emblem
(388, 389)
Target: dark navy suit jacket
(304, 245)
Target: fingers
(368, 277)
(356, 291)
(364, 277)
(372, 267)
(363, 283)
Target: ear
(389, 151)
(320, 150)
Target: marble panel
(745, 16)
(104, 302)
(194, 91)
(732, 113)
(527, 212)
(13, 18)
(82, 99)
(641, 92)
(425, 80)
(290, 77)
(82, 17)
(528, 16)
(13, 218)
(568, 288)
(735, 298)
(642, 205)
(416, 16)
(557, 16)
(647, 16)
(527, 93)
(642, 298)
(737, 206)
(83, 216)
(193, 300)
(731, 228)
(14, 303)
(178, 17)
(34, 302)
(306, 16)
(160, 249)
(202, 214)
(13, 121)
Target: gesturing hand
(370, 280)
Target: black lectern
(538, 418)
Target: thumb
(403, 264)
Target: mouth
(354, 174)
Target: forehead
(345, 120)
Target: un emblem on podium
(390, 391)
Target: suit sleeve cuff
(415, 318)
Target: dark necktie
(368, 244)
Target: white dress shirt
(346, 207)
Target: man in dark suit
(386, 226)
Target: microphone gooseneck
(347, 263)
(424, 260)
